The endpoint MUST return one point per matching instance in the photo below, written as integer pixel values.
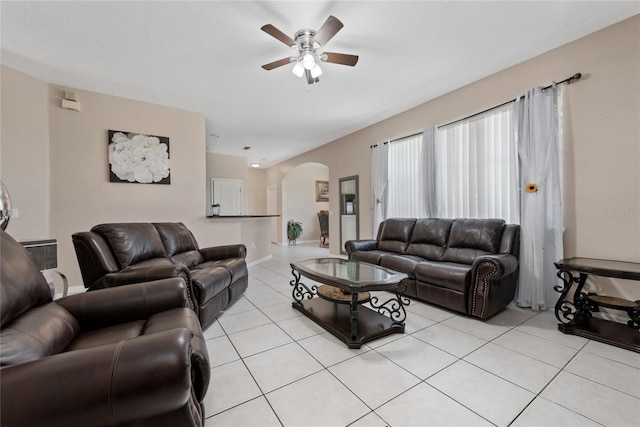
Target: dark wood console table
(576, 315)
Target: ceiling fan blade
(341, 58)
(276, 64)
(277, 34)
(329, 29)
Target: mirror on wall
(349, 207)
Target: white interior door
(228, 193)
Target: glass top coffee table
(337, 304)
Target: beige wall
(602, 140)
(55, 164)
(256, 192)
(24, 152)
(81, 194)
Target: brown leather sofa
(466, 265)
(128, 356)
(121, 253)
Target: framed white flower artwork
(138, 158)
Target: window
(406, 183)
(477, 168)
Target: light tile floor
(271, 366)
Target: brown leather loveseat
(128, 356)
(121, 253)
(466, 265)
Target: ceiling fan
(308, 44)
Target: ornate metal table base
(576, 315)
(346, 318)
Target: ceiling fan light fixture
(308, 42)
(298, 69)
(316, 71)
(308, 61)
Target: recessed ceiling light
(255, 165)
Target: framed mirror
(349, 208)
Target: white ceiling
(205, 56)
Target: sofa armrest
(106, 385)
(106, 307)
(493, 283)
(214, 253)
(352, 246)
(503, 264)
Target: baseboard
(258, 261)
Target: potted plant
(294, 230)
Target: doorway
(229, 194)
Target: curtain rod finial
(576, 76)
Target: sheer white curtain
(429, 141)
(541, 198)
(406, 183)
(477, 170)
(379, 171)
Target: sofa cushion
(107, 335)
(403, 263)
(179, 243)
(395, 234)
(429, 238)
(40, 332)
(147, 263)
(132, 242)
(189, 259)
(446, 274)
(372, 257)
(236, 266)
(210, 281)
(471, 238)
(181, 317)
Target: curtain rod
(568, 80)
(398, 139)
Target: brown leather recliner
(121, 253)
(128, 356)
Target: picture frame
(322, 191)
(138, 158)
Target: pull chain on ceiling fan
(308, 43)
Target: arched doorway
(299, 201)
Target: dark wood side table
(576, 315)
(45, 254)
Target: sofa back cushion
(471, 238)
(95, 256)
(395, 234)
(429, 238)
(132, 242)
(179, 244)
(22, 285)
(40, 332)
